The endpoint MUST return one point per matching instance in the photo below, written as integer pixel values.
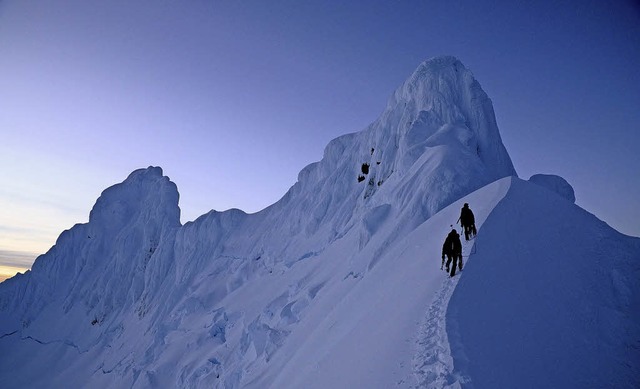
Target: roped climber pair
(452, 246)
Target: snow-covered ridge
(134, 299)
(436, 140)
(551, 298)
(133, 265)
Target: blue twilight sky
(234, 98)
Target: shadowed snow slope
(335, 285)
(550, 300)
(556, 184)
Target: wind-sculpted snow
(335, 285)
(443, 93)
(97, 270)
(556, 184)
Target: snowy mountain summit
(338, 284)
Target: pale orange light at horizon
(10, 271)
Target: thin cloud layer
(17, 259)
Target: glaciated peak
(236, 300)
(442, 62)
(152, 172)
(145, 191)
(440, 78)
(442, 94)
(98, 270)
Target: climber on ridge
(467, 221)
(452, 248)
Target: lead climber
(467, 221)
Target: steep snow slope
(435, 142)
(550, 299)
(538, 322)
(133, 299)
(367, 335)
(97, 269)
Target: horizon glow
(232, 100)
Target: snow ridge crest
(134, 279)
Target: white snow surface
(338, 284)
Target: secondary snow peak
(144, 190)
(99, 269)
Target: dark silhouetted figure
(452, 248)
(467, 221)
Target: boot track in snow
(432, 363)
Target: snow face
(97, 270)
(550, 299)
(556, 184)
(442, 94)
(337, 284)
